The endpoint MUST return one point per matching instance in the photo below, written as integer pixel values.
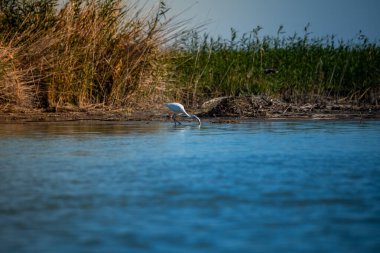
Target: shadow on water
(102, 127)
(78, 128)
(184, 126)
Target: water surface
(261, 186)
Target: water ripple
(259, 186)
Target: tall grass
(307, 67)
(108, 52)
(88, 52)
(12, 84)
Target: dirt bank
(272, 108)
(223, 109)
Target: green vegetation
(107, 52)
(305, 68)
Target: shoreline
(217, 110)
(36, 115)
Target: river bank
(223, 109)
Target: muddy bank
(76, 114)
(223, 109)
(272, 108)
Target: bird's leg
(176, 121)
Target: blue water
(261, 186)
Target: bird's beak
(195, 117)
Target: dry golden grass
(95, 52)
(14, 87)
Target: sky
(343, 18)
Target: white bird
(177, 108)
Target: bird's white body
(178, 108)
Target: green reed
(307, 68)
